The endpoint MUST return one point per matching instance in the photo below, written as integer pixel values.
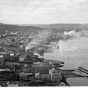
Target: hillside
(16, 28)
(63, 27)
(35, 28)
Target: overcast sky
(43, 11)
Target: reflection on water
(78, 81)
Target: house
(55, 75)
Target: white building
(37, 76)
(55, 75)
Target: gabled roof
(53, 70)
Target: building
(42, 75)
(26, 76)
(55, 75)
(21, 58)
(42, 71)
(45, 77)
(37, 76)
(27, 70)
(11, 54)
(2, 51)
(6, 57)
(1, 60)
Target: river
(74, 53)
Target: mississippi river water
(74, 53)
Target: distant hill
(16, 28)
(65, 27)
(36, 28)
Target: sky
(43, 11)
